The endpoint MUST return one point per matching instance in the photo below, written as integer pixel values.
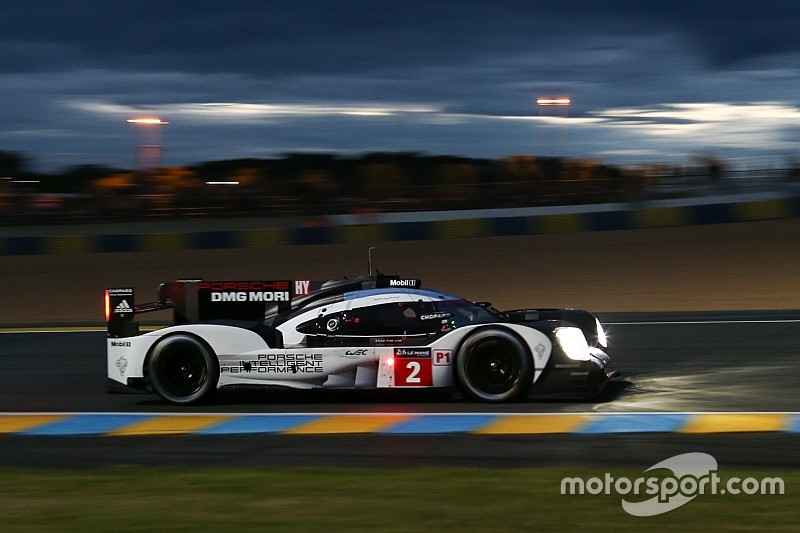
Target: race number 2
(413, 373)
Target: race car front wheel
(494, 366)
(183, 370)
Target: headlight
(573, 343)
(602, 340)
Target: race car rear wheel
(183, 369)
(493, 366)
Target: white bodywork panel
(126, 356)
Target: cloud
(461, 76)
(242, 113)
(761, 125)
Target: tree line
(309, 185)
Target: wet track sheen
(685, 362)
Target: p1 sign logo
(442, 357)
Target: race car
(370, 332)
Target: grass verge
(336, 499)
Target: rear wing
(194, 300)
(197, 300)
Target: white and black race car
(364, 333)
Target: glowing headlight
(573, 343)
(602, 340)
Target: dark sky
(649, 81)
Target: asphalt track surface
(677, 362)
(671, 362)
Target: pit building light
(147, 120)
(554, 101)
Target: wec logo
(693, 474)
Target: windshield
(466, 313)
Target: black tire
(183, 369)
(493, 365)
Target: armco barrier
(443, 226)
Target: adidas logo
(123, 307)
